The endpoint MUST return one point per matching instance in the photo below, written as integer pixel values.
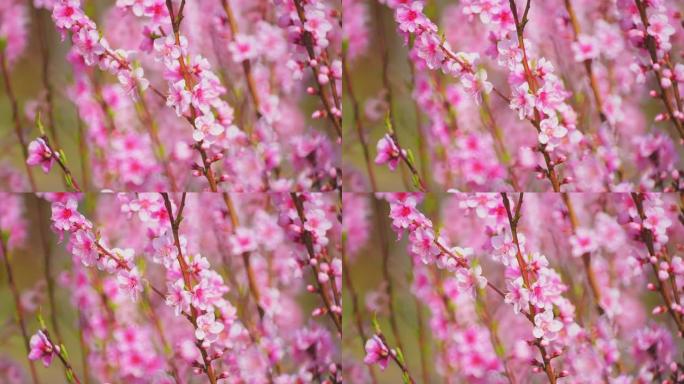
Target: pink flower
(66, 13)
(583, 242)
(546, 327)
(469, 278)
(660, 28)
(133, 80)
(208, 329)
(517, 295)
(522, 101)
(476, 84)
(42, 348)
(179, 98)
(585, 48)
(377, 352)
(39, 153)
(388, 152)
(131, 282)
(88, 43)
(551, 129)
(243, 48)
(206, 124)
(243, 241)
(316, 22)
(65, 215)
(178, 298)
(410, 17)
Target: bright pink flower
(40, 154)
(42, 348)
(388, 152)
(65, 216)
(377, 352)
(410, 17)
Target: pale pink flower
(208, 329)
(585, 48)
(546, 327)
(583, 241)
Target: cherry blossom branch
(513, 219)
(663, 95)
(529, 78)
(61, 355)
(647, 239)
(189, 83)
(15, 114)
(378, 348)
(41, 152)
(18, 308)
(308, 40)
(175, 224)
(335, 316)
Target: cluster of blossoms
(159, 300)
(570, 112)
(511, 270)
(249, 134)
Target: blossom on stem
(389, 152)
(42, 348)
(377, 352)
(39, 153)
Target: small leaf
(41, 320)
(39, 124)
(376, 326)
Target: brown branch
(647, 239)
(513, 223)
(308, 243)
(194, 313)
